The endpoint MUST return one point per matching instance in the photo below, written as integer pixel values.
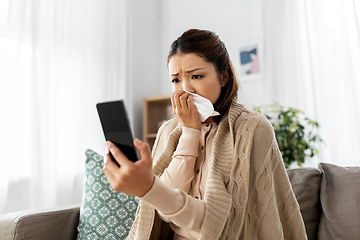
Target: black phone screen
(116, 127)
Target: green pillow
(104, 213)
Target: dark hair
(208, 45)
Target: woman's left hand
(132, 178)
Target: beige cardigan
(248, 194)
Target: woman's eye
(175, 80)
(195, 76)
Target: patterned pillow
(104, 213)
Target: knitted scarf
(248, 194)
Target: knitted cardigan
(247, 195)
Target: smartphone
(116, 126)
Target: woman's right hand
(185, 110)
(132, 178)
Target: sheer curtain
(57, 60)
(312, 62)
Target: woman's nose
(187, 86)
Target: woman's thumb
(144, 149)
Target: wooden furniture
(156, 110)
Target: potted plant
(296, 135)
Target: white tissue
(204, 106)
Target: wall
(234, 21)
(143, 54)
(155, 24)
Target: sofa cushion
(56, 223)
(104, 213)
(306, 185)
(340, 200)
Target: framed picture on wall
(249, 60)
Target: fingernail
(137, 140)
(107, 144)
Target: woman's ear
(224, 78)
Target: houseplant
(296, 135)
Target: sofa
(329, 199)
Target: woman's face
(192, 73)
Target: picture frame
(249, 64)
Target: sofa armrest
(55, 223)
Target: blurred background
(59, 58)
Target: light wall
(234, 21)
(144, 58)
(155, 24)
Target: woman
(222, 178)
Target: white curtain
(57, 60)
(312, 62)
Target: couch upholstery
(56, 223)
(329, 199)
(306, 185)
